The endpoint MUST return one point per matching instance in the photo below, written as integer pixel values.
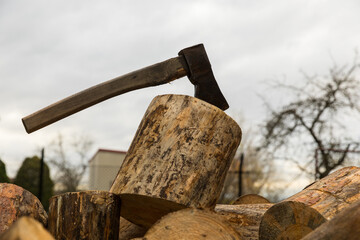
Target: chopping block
(178, 158)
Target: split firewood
(327, 196)
(345, 225)
(26, 228)
(332, 193)
(289, 220)
(129, 230)
(191, 223)
(250, 199)
(85, 215)
(181, 152)
(244, 218)
(16, 202)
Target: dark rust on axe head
(192, 61)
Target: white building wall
(104, 167)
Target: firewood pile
(168, 186)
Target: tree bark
(333, 193)
(192, 223)
(250, 199)
(244, 218)
(345, 225)
(181, 152)
(16, 202)
(85, 215)
(289, 220)
(26, 228)
(327, 196)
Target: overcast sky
(52, 49)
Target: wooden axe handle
(153, 75)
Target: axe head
(200, 74)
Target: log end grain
(192, 224)
(129, 230)
(289, 220)
(250, 199)
(26, 228)
(145, 210)
(345, 225)
(16, 202)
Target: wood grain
(244, 218)
(26, 228)
(192, 224)
(181, 152)
(85, 215)
(16, 202)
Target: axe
(192, 61)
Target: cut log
(244, 218)
(327, 196)
(26, 228)
(181, 152)
(345, 225)
(191, 224)
(289, 220)
(332, 193)
(16, 202)
(85, 215)
(250, 199)
(134, 206)
(129, 230)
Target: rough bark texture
(289, 221)
(26, 228)
(344, 226)
(85, 215)
(16, 202)
(137, 208)
(250, 199)
(333, 193)
(245, 218)
(181, 152)
(192, 224)
(129, 230)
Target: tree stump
(289, 220)
(16, 202)
(85, 215)
(250, 199)
(181, 152)
(130, 230)
(345, 225)
(191, 224)
(332, 193)
(26, 228)
(244, 218)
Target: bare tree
(69, 157)
(315, 121)
(257, 169)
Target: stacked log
(26, 228)
(191, 223)
(16, 202)
(244, 218)
(181, 153)
(250, 199)
(85, 215)
(326, 197)
(345, 225)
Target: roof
(107, 150)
